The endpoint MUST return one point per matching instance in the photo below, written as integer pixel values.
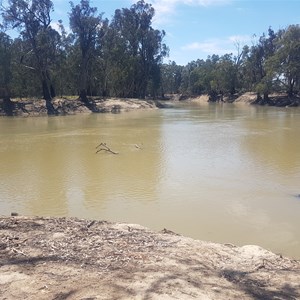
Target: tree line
(272, 64)
(123, 57)
(118, 58)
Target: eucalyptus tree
(88, 27)
(225, 75)
(25, 82)
(117, 69)
(142, 46)
(5, 72)
(32, 19)
(200, 76)
(284, 65)
(199, 72)
(63, 71)
(255, 67)
(171, 76)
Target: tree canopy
(124, 57)
(118, 58)
(87, 28)
(270, 65)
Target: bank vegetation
(125, 58)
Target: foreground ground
(66, 258)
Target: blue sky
(198, 28)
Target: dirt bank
(275, 99)
(66, 258)
(71, 106)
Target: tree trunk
(47, 96)
(291, 88)
(8, 106)
(52, 91)
(266, 96)
(143, 92)
(258, 96)
(83, 96)
(90, 104)
(83, 83)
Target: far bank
(72, 105)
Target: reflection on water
(224, 173)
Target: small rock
(14, 214)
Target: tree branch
(104, 147)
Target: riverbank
(73, 105)
(68, 258)
(276, 99)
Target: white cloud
(55, 26)
(190, 2)
(166, 8)
(218, 46)
(242, 39)
(163, 10)
(205, 2)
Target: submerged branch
(104, 147)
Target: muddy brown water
(222, 173)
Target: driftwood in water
(104, 147)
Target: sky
(196, 29)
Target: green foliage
(171, 78)
(32, 19)
(124, 57)
(135, 52)
(87, 27)
(5, 62)
(270, 65)
(284, 65)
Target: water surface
(224, 173)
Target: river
(218, 172)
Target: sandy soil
(247, 98)
(275, 99)
(66, 258)
(71, 106)
(116, 105)
(201, 99)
